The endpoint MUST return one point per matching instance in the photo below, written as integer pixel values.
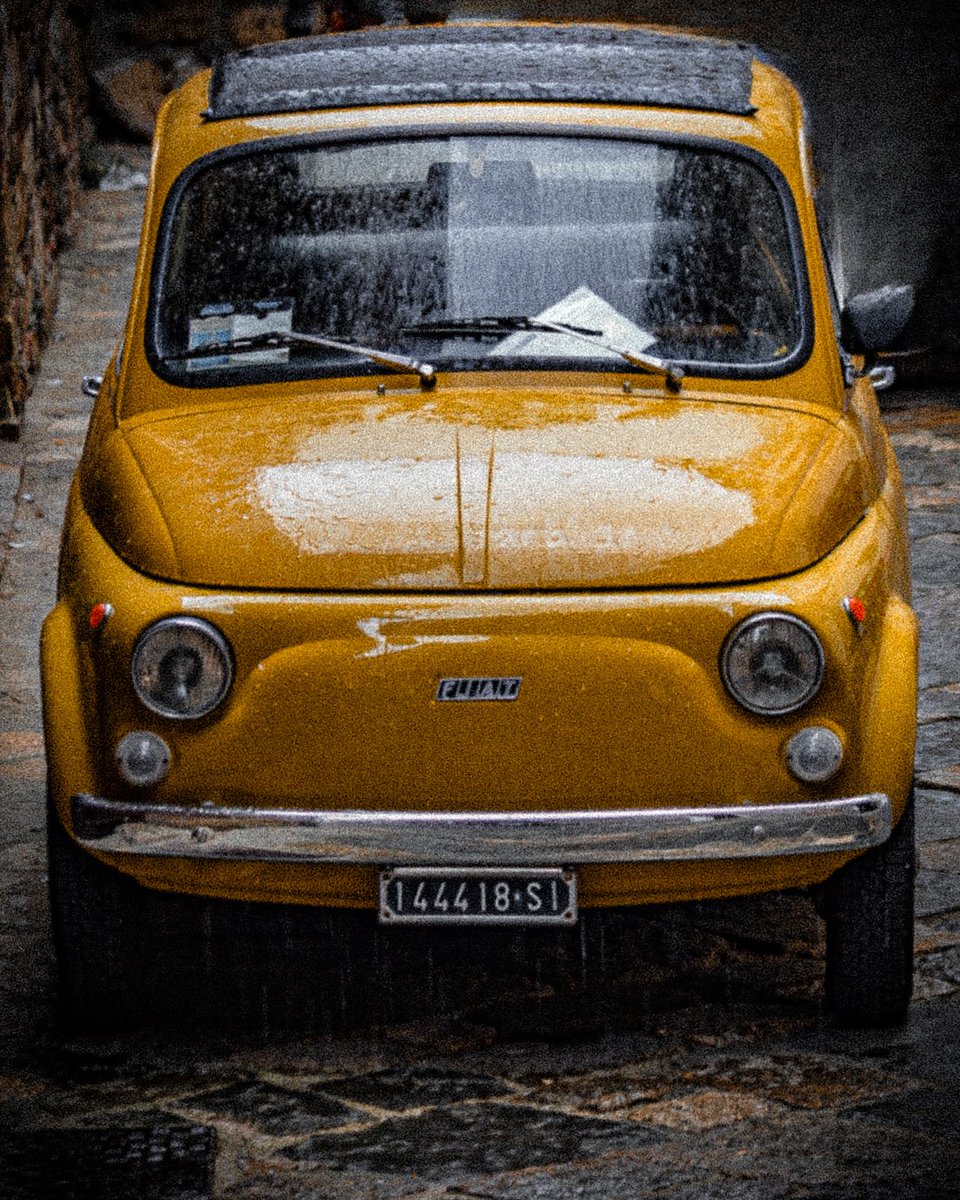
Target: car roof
(471, 62)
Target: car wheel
(95, 913)
(868, 907)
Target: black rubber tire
(131, 958)
(98, 935)
(868, 907)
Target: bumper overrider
(354, 836)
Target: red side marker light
(99, 615)
(856, 610)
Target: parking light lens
(772, 664)
(815, 754)
(143, 758)
(182, 667)
(99, 615)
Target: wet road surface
(680, 1054)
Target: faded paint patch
(633, 506)
(224, 605)
(387, 506)
(702, 433)
(926, 439)
(443, 577)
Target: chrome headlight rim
(196, 626)
(771, 616)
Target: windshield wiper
(494, 326)
(281, 338)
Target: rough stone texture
(138, 53)
(41, 119)
(131, 91)
(258, 23)
(274, 1110)
(400, 1090)
(452, 1143)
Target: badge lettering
(479, 688)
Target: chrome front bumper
(482, 838)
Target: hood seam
(488, 515)
(461, 541)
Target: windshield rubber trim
(693, 369)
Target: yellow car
(486, 516)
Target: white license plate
(478, 896)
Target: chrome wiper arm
(647, 362)
(280, 338)
(492, 326)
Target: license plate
(478, 896)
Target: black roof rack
(584, 63)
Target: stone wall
(42, 102)
(137, 53)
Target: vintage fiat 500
(487, 515)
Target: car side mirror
(872, 321)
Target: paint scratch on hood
(374, 628)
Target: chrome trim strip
(482, 838)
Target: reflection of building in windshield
(368, 239)
(721, 263)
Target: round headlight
(182, 667)
(772, 664)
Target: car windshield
(466, 250)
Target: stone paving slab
(844, 1158)
(940, 649)
(9, 485)
(803, 1081)
(938, 815)
(271, 1109)
(407, 1088)
(935, 559)
(452, 1144)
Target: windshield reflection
(680, 253)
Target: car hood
(451, 490)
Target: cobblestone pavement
(512, 1075)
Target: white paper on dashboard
(585, 308)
